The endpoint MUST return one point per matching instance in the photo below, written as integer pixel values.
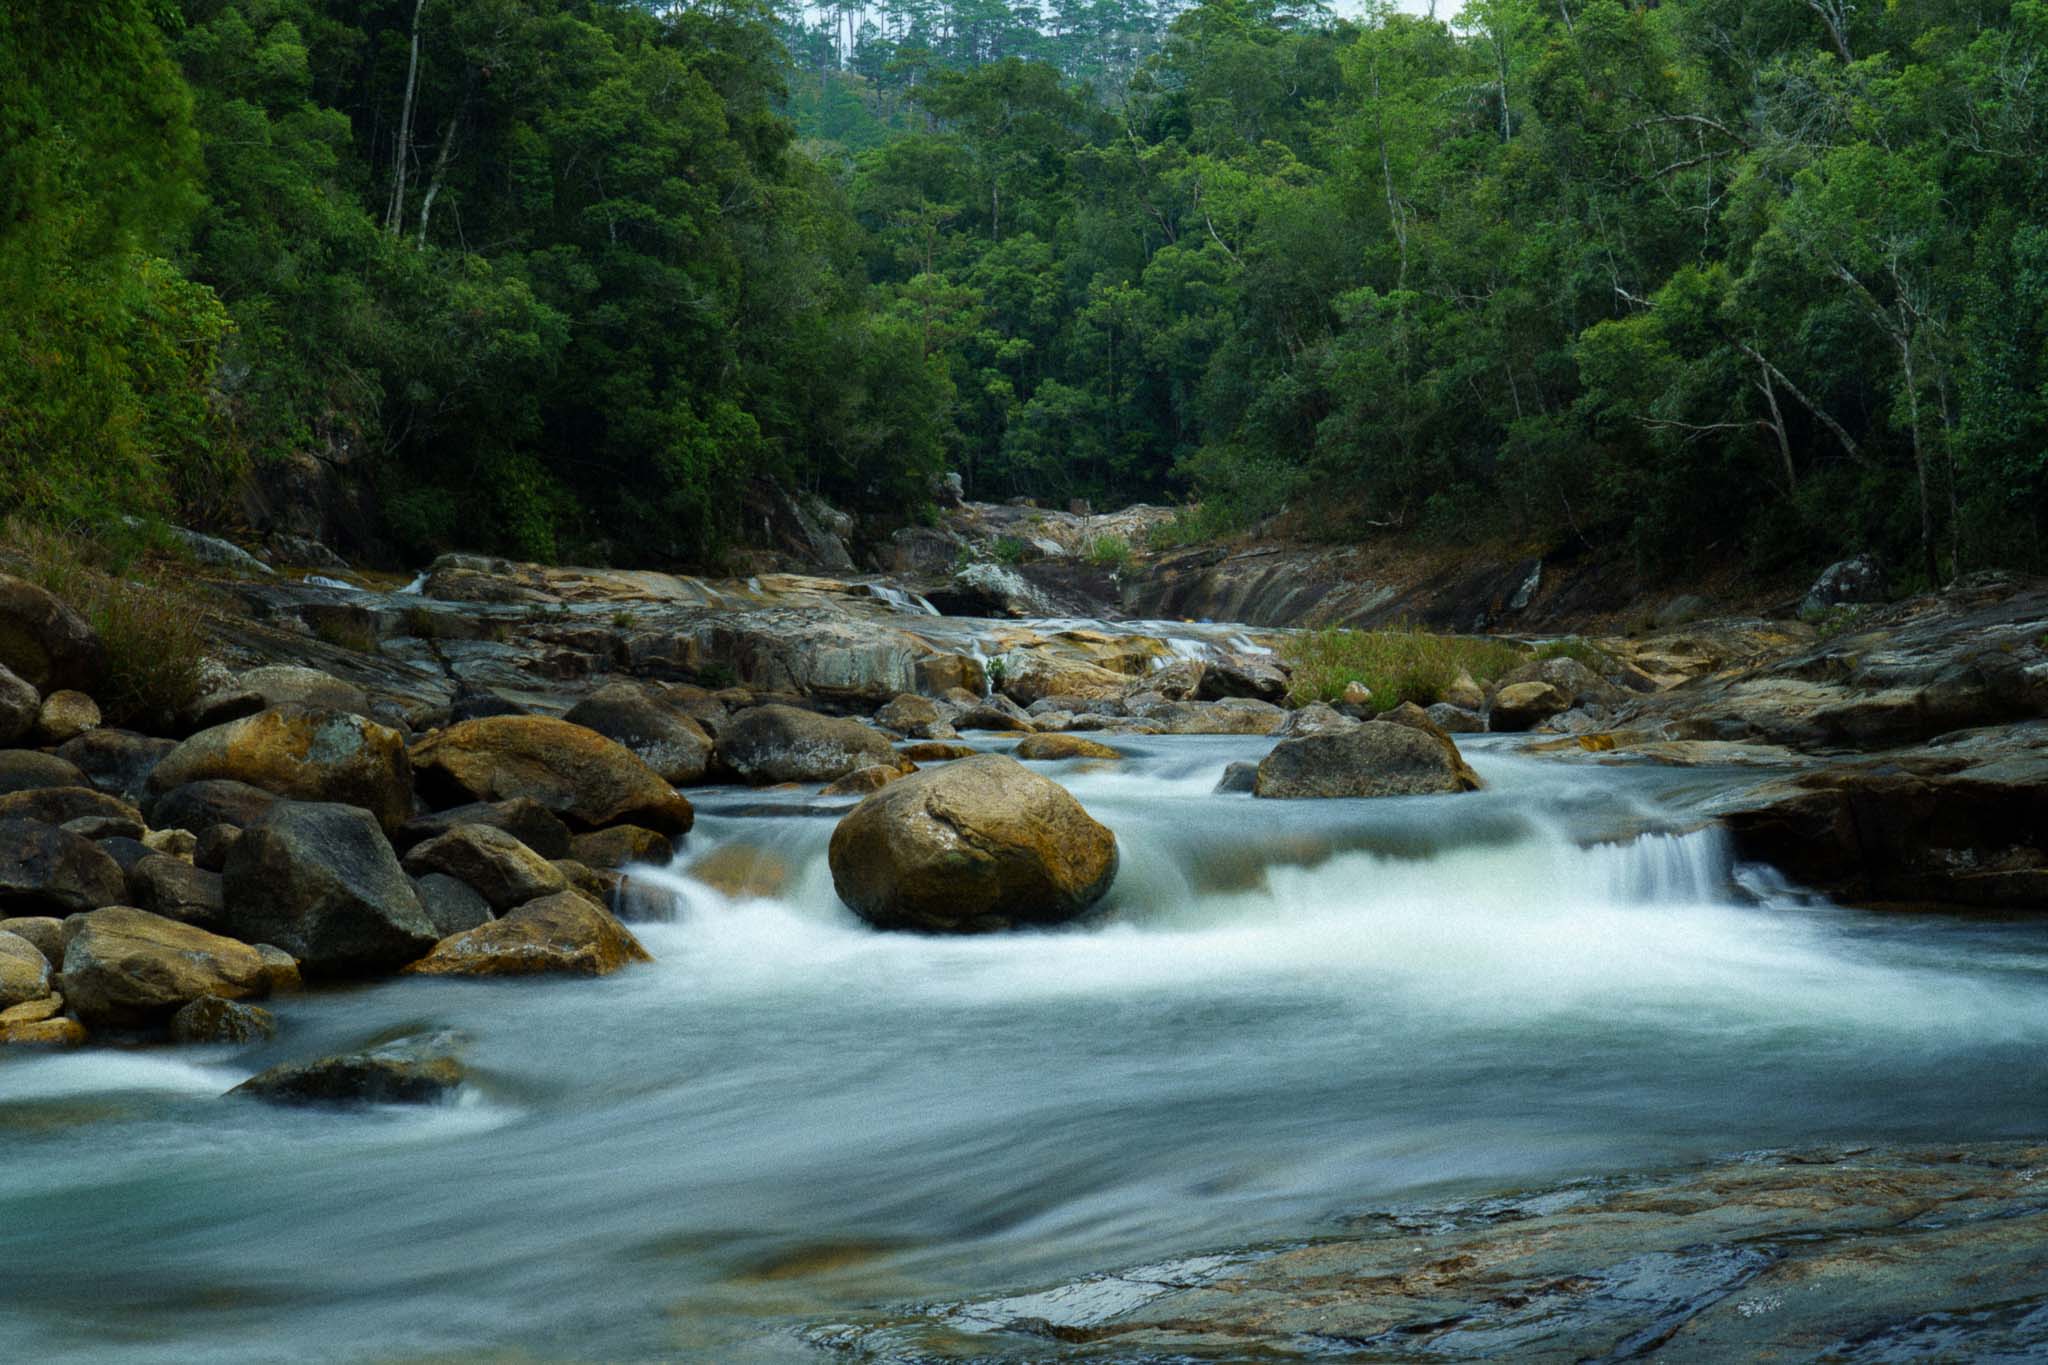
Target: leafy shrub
(1110, 552)
(1399, 665)
(149, 617)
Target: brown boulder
(1525, 705)
(126, 967)
(937, 751)
(62, 805)
(620, 846)
(982, 843)
(303, 753)
(1053, 748)
(566, 932)
(65, 715)
(585, 779)
(24, 971)
(502, 870)
(861, 781)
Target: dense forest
(1699, 280)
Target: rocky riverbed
(395, 794)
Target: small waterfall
(1694, 867)
(902, 600)
(416, 587)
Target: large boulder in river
(585, 779)
(786, 744)
(668, 741)
(321, 882)
(1368, 760)
(45, 870)
(125, 966)
(980, 844)
(44, 642)
(567, 932)
(304, 753)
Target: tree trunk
(1919, 463)
(394, 214)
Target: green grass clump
(1572, 647)
(1398, 665)
(148, 618)
(1110, 552)
(1008, 550)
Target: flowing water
(1286, 1012)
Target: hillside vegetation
(1707, 280)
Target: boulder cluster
(156, 885)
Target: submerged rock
(1378, 759)
(1053, 748)
(585, 779)
(410, 1071)
(980, 844)
(861, 781)
(620, 846)
(210, 1019)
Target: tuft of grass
(151, 621)
(1110, 552)
(1195, 524)
(345, 630)
(1008, 550)
(1572, 647)
(1403, 664)
(1828, 622)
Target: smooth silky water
(1286, 1012)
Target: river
(1286, 1012)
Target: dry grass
(150, 620)
(1398, 665)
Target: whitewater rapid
(1283, 1011)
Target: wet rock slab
(1842, 1254)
